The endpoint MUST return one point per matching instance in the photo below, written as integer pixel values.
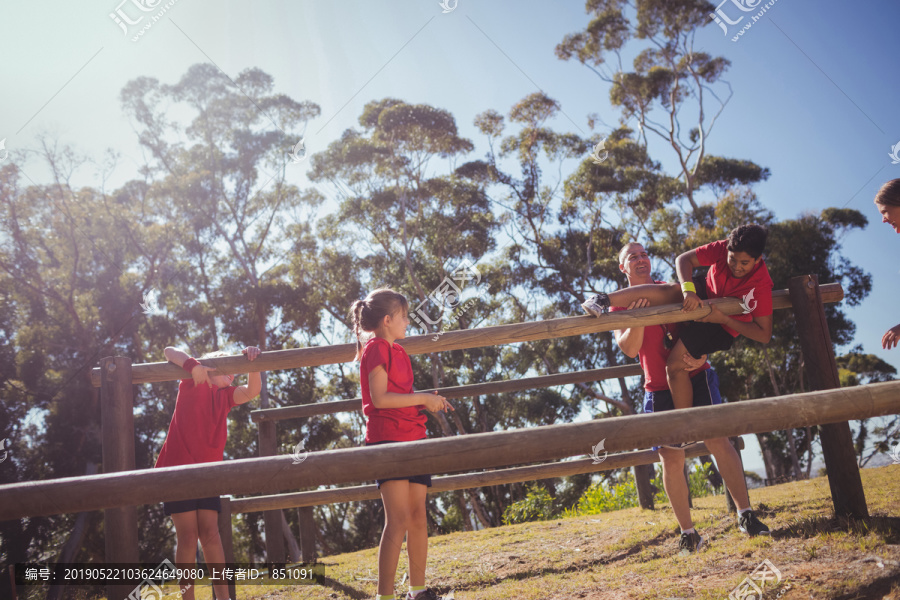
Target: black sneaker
(748, 523)
(428, 594)
(597, 305)
(691, 542)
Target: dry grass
(633, 554)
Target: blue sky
(814, 84)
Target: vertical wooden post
(12, 581)
(643, 486)
(120, 525)
(227, 535)
(729, 501)
(274, 532)
(687, 481)
(307, 534)
(822, 374)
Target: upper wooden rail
(459, 391)
(445, 455)
(465, 338)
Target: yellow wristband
(688, 286)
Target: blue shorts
(420, 479)
(706, 393)
(180, 506)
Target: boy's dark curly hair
(748, 238)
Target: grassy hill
(634, 554)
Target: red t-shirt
(390, 424)
(653, 354)
(754, 289)
(199, 428)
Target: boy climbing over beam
(736, 270)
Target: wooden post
(227, 535)
(12, 581)
(120, 525)
(822, 374)
(272, 518)
(737, 442)
(642, 484)
(307, 534)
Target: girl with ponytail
(393, 413)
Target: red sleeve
(375, 354)
(712, 253)
(224, 399)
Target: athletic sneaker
(596, 305)
(748, 523)
(428, 594)
(691, 542)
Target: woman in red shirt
(393, 414)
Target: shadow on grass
(574, 567)
(336, 585)
(889, 527)
(875, 590)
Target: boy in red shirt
(736, 270)
(197, 434)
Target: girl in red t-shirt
(393, 414)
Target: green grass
(632, 553)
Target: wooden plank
(226, 532)
(466, 338)
(822, 374)
(120, 524)
(308, 533)
(460, 391)
(446, 455)
(461, 482)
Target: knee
(398, 521)
(209, 534)
(187, 536)
(418, 517)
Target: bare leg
(729, 464)
(656, 293)
(395, 496)
(417, 535)
(208, 520)
(186, 535)
(679, 379)
(672, 461)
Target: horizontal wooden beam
(445, 455)
(462, 482)
(459, 391)
(316, 356)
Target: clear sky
(815, 86)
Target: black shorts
(703, 338)
(706, 393)
(180, 506)
(420, 479)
